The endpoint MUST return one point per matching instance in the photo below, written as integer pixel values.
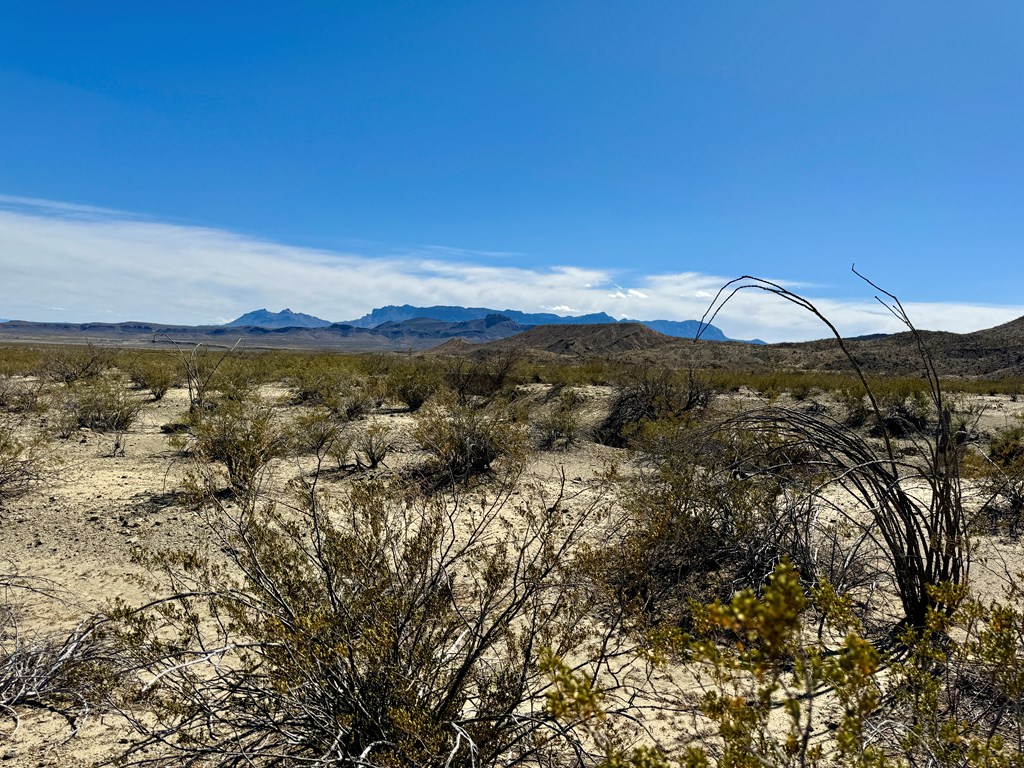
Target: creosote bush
(364, 630)
(243, 437)
(103, 404)
(153, 373)
(464, 441)
(647, 395)
(22, 457)
(559, 427)
(413, 384)
(952, 699)
(67, 365)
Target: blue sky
(571, 152)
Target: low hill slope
(995, 352)
(589, 340)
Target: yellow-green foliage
(464, 441)
(244, 437)
(104, 404)
(367, 628)
(770, 690)
(154, 372)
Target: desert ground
(99, 503)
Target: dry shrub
(1002, 479)
(559, 427)
(103, 404)
(22, 457)
(480, 378)
(244, 437)
(464, 441)
(70, 673)
(647, 395)
(67, 365)
(368, 630)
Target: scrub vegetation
(474, 560)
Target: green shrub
(369, 630)
(372, 445)
(244, 437)
(67, 365)
(154, 374)
(413, 384)
(649, 395)
(464, 441)
(102, 404)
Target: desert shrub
(23, 396)
(329, 382)
(684, 538)
(365, 631)
(464, 441)
(321, 433)
(1002, 479)
(649, 395)
(70, 674)
(372, 445)
(1006, 448)
(22, 457)
(696, 528)
(240, 376)
(243, 437)
(854, 406)
(103, 404)
(413, 384)
(154, 374)
(902, 414)
(199, 366)
(482, 377)
(559, 427)
(950, 699)
(319, 380)
(67, 365)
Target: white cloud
(90, 262)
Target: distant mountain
(414, 334)
(396, 314)
(262, 318)
(685, 329)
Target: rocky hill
(995, 352)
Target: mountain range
(994, 352)
(454, 314)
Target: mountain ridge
(686, 329)
(264, 318)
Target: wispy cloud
(92, 262)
